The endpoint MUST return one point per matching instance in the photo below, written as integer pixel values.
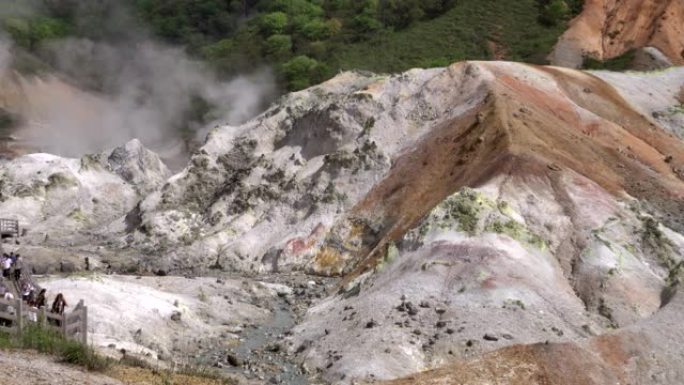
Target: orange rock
(608, 28)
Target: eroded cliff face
(609, 28)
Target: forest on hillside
(304, 41)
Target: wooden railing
(9, 227)
(15, 315)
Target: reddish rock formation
(520, 129)
(609, 28)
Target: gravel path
(27, 368)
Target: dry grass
(143, 376)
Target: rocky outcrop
(64, 201)
(138, 166)
(608, 28)
(650, 59)
(639, 354)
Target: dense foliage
(308, 41)
(619, 63)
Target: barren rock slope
(63, 201)
(474, 213)
(470, 208)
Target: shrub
(297, 7)
(302, 71)
(30, 33)
(316, 29)
(619, 63)
(553, 12)
(273, 23)
(279, 46)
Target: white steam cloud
(102, 95)
(5, 56)
(149, 91)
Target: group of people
(35, 302)
(28, 295)
(11, 261)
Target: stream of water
(278, 367)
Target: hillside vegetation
(306, 41)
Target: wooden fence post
(42, 318)
(84, 325)
(64, 325)
(20, 316)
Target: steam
(147, 92)
(104, 94)
(5, 55)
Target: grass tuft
(51, 342)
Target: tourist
(6, 266)
(7, 296)
(58, 304)
(33, 314)
(41, 300)
(26, 289)
(18, 264)
(31, 300)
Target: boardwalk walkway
(15, 314)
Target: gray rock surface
(466, 210)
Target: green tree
(400, 13)
(553, 12)
(184, 20)
(311, 8)
(273, 23)
(434, 8)
(221, 48)
(302, 71)
(19, 30)
(365, 21)
(317, 29)
(29, 33)
(46, 28)
(279, 46)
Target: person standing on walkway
(58, 304)
(18, 264)
(6, 266)
(41, 300)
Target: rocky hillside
(607, 28)
(320, 181)
(62, 201)
(482, 217)
(643, 353)
(468, 209)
